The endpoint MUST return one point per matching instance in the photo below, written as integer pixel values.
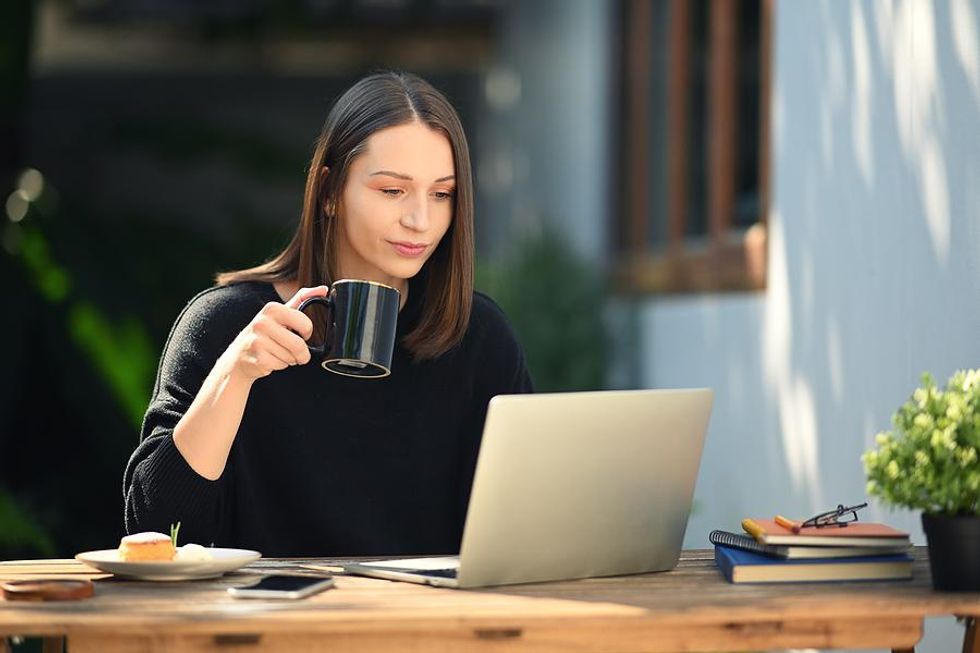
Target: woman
(247, 445)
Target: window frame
(726, 258)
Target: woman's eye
(443, 195)
(392, 192)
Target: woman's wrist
(231, 374)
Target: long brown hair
(376, 102)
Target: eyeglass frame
(833, 517)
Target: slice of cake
(146, 547)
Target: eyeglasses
(841, 517)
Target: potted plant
(929, 462)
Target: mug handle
(328, 302)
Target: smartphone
(282, 586)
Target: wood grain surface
(691, 608)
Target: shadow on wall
(876, 222)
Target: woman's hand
(275, 338)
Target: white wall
(874, 263)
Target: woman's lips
(409, 249)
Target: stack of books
(771, 553)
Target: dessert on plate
(151, 546)
(146, 547)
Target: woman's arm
(178, 471)
(269, 343)
(205, 433)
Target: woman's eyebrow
(401, 175)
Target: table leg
(903, 650)
(971, 638)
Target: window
(694, 145)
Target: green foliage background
(554, 300)
(90, 324)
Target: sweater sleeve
(160, 488)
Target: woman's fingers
(270, 362)
(290, 318)
(275, 334)
(306, 293)
(276, 338)
(286, 354)
(288, 341)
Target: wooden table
(689, 609)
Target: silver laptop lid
(582, 484)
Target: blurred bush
(554, 300)
(90, 304)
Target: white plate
(222, 561)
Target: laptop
(573, 485)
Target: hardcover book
(744, 567)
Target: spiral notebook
(748, 543)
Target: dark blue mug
(354, 331)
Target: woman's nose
(417, 218)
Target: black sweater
(324, 465)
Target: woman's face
(396, 205)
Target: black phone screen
(279, 583)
